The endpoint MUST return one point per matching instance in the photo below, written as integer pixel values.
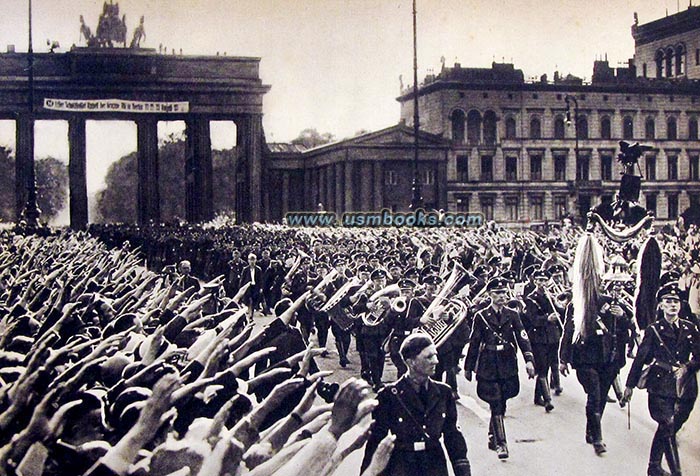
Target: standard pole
(31, 210)
(417, 198)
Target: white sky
(335, 64)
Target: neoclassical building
(523, 152)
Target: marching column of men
(501, 321)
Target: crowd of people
(139, 350)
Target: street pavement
(545, 444)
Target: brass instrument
(343, 291)
(317, 299)
(399, 304)
(377, 304)
(454, 312)
(441, 324)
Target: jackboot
(546, 395)
(555, 382)
(597, 434)
(672, 458)
(539, 401)
(492, 438)
(342, 353)
(500, 432)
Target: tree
(118, 201)
(310, 138)
(51, 183)
(51, 187)
(7, 185)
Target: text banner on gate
(115, 105)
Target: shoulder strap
(395, 392)
(502, 339)
(663, 345)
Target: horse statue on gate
(111, 29)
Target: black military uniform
(370, 336)
(544, 334)
(321, 320)
(667, 347)
(402, 323)
(418, 418)
(597, 359)
(492, 353)
(340, 320)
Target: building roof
(671, 25)
(285, 148)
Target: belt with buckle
(497, 347)
(416, 446)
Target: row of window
(582, 168)
(559, 205)
(670, 61)
(474, 128)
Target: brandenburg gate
(143, 86)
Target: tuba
(452, 310)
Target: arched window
(490, 127)
(582, 127)
(627, 128)
(605, 129)
(559, 131)
(680, 53)
(649, 128)
(669, 62)
(474, 127)
(659, 59)
(693, 128)
(535, 128)
(671, 129)
(510, 127)
(457, 118)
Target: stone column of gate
(253, 152)
(199, 198)
(25, 152)
(148, 197)
(76, 174)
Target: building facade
(668, 47)
(523, 152)
(369, 172)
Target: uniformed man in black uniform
(403, 321)
(419, 411)
(597, 357)
(543, 325)
(340, 320)
(372, 330)
(671, 381)
(496, 335)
